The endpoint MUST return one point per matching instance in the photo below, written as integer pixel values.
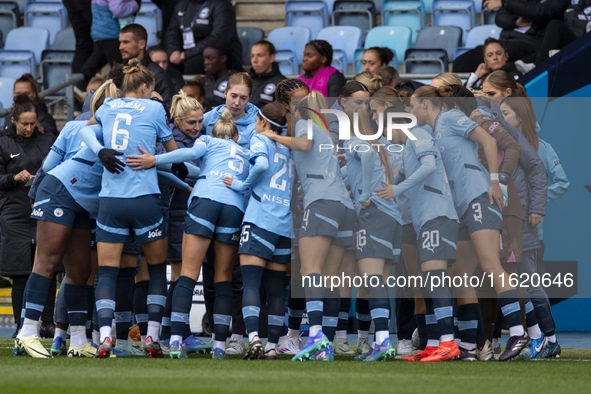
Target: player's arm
(257, 170)
(489, 145)
(147, 160)
(293, 143)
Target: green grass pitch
(199, 374)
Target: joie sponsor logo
(154, 234)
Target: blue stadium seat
(290, 43)
(454, 13)
(311, 14)
(48, 15)
(477, 35)
(248, 36)
(397, 38)
(150, 17)
(15, 63)
(358, 58)
(9, 18)
(487, 17)
(65, 40)
(425, 61)
(6, 87)
(345, 40)
(354, 13)
(34, 39)
(409, 13)
(441, 37)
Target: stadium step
(266, 14)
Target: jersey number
(275, 184)
(237, 164)
(120, 137)
(430, 239)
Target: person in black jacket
(160, 57)
(26, 84)
(217, 73)
(132, 45)
(195, 24)
(523, 22)
(264, 73)
(22, 149)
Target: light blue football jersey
(269, 204)
(220, 158)
(354, 149)
(432, 198)
(244, 124)
(467, 177)
(395, 153)
(318, 168)
(68, 142)
(81, 175)
(129, 123)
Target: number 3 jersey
(269, 203)
(127, 124)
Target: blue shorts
(55, 204)
(214, 220)
(378, 235)
(437, 240)
(329, 219)
(409, 235)
(261, 243)
(136, 219)
(481, 215)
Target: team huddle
(215, 190)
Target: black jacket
(164, 84)
(214, 90)
(16, 228)
(539, 13)
(210, 20)
(264, 86)
(46, 120)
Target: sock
(90, 311)
(77, 335)
(156, 298)
(273, 281)
(295, 310)
(468, 325)
(363, 316)
(552, 338)
(76, 299)
(431, 322)
(343, 318)
(182, 299)
(379, 306)
(314, 303)
(165, 330)
(124, 302)
(105, 299)
(222, 312)
(533, 328)
(140, 306)
(330, 317)
(512, 312)
(441, 299)
(251, 300)
(422, 330)
(35, 296)
(61, 310)
(481, 332)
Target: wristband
(494, 176)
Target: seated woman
(318, 74)
(496, 57)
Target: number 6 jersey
(128, 123)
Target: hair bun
(226, 115)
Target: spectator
(80, 16)
(159, 56)
(375, 59)
(523, 24)
(444, 79)
(105, 35)
(195, 88)
(390, 76)
(318, 74)
(194, 25)
(216, 74)
(27, 85)
(22, 149)
(372, 80)
(264, 73)
(495, 58)
(132, 44)
(167, 8)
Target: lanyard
(184, 12)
